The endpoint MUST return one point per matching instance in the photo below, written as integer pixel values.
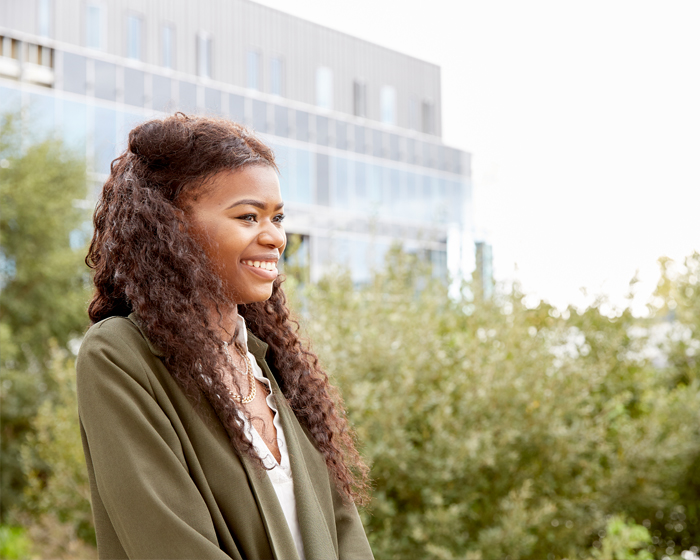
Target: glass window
(94, 27)
(44, 18)
(134, 37)
(162, 93)
(236, 108)
(74, 74)
(341, 135)
(374, 185)
(302, 122)
(285, 164)
(388, 104)
(322, 180)
(359, 98)
(133, 87)
(105, 138)
(304, 186)
(253, 69)
(41, 112)
(377, 143)
(167, 35)
(212, 100)
(188, 97)
(428, 117)
(203, 55)
(324, 87)
(341, 183)
(74, 127)
(105, 80)
(395, 198)
(360, 140)
(10, 100)
(259, 115)
(411, 150)
(394, 152)
(281, 121)
(322, 130)
(276, 75)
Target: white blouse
(280, 474)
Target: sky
(583, 121)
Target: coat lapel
(318, 542)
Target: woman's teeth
(266, 265)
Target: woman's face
(238, 221)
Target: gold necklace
(249, 374)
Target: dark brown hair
(146, 261)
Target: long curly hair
(146, 261)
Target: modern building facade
(356, 127)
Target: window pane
(259, 115)
(394, 152)
(388, 104)
(188, 97)
(236, 108)
(133, 87)
(253, 69)
(105, 138)
(162, 94)
(276, 76)
(302, 126)
(204, 55)
(168, 53)
(304, 184)
(75, 126)
(360, 140)
(74, 75)
(322, 180)
(324, 87)
(340, 190)
(105, 80)
(212, 100)
(10, 100)
(341, 135)
(377, 143)
(93, 27)
(360, 184)
(281, 121)
(322, 131)
(133, 37)
(41, 112)
(44, 17)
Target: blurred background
(452, 179)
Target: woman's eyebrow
(256, 203)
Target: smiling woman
(209, 430)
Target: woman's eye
(279, 218)
(247, 217)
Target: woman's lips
(264, 269)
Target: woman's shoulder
(116, 342)
(117, 332)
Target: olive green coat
(165, 481)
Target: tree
(43, 281)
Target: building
(356, 127)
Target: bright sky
(583, 120)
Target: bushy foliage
(43, 283)
(496, 431)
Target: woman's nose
(273, 236)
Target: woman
(209, 431)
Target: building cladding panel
(235, 27)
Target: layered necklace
(249, 374)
